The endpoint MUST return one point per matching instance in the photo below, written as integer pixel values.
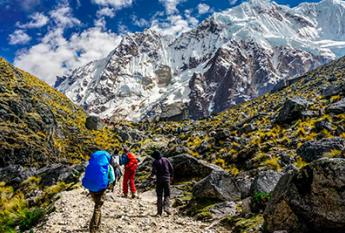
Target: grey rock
(93, 123)
(309, 200)
(223, 209)
(187, 167)
(292, 110)
(333, 90)
(314, 150)
(219, 185)
(337, 108)
(265, 181)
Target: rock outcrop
(309, 200)
(219, 185)
(292, 110)
(314, 150)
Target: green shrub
(260, 200)
(30, 218)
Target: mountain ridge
(231, 57)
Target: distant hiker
(98, 176)
(115, 162)
(130, 162)
(164, 172)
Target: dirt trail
(121, 215)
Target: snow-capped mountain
(231, 57)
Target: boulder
(187, 167)
(219, 185)
(173, 112)
(337, 108)
(333, 90)
(292, 110)
(265, 181)
(314, 150)
(93, 123)
(309, 200)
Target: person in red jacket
(131, 164)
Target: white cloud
(117, 4)
(106, 11)
(233, 2)
(19, 37)
(140, 22)
(203, 8)
(174, 25)
(56, 55)
(37, 20)
(63, 17)
(170, 5)
(28, 5)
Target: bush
(30, 218)
(260, 200)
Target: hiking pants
(128, 177)
(163, 190)
(96, 217)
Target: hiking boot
(134, 195)
(166, 205)
(125, 195)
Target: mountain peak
(229, 58)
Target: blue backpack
(96, 174)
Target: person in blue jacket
(98, 176)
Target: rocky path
(122, 215)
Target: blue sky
(64, 34)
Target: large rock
(265, 181)
(314, 150)
(292, 110)
(334, 90)
(93, 123)
(337, 108)
(219, 185)
(309, 200)
(187, 167)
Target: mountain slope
(43, 140)
(39, 125)
(231, 57)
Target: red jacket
(132, 162)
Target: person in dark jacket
(164, 172)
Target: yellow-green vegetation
(39, 126)
(244, 225)
(265, 141)
(42, 123)
(16, 210)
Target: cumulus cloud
(170, 5)
(106, 11)
(203, 8)
(37, 20)
(63, 17)
(19, 37)
(140, 22)
(117, 4)
(174, 25)
(56, 55)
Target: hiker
(99, 174)
(164, 172)
(115, 162)
(130, 162)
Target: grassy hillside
(246, 136)
(39, 127)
